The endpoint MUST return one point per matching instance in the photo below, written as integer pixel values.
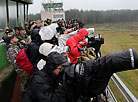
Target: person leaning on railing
(60, 81)
(12, 51)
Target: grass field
(119, 37)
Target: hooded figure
(35, 37)
(63, 38)
(53, 60)
(49, 33)
(33, 49)
(45, 86)
(74, 42)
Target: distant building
(13, 12)
(53, 11)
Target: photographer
(74, 42)
(46, 86)
(81, 81)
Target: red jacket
(73, 42)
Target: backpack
(27, 95)
(23, 61)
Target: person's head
(55, 62)
(45, 48)
(26, 26)
(33, 26)
(77, 26)
(43, 23)
(11, 39)
(48, 21)
(30, 22)
(9, 32)
(5, 28)
(61, 23)
(34, 23)
(81, 35)
(35, 37)
(17, 30)
(39, 23)
(64, 31)
(22, 31)
(57, 70)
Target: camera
(96, 42)
(90, 78)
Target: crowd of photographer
(19, 37)
(45, 55)
(28, 38)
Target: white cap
(45, 48)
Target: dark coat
(46, 87)
(33, 48)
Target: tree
(99, 17)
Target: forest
(97, 17)
(100, 17)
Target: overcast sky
(89, 4)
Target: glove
(80, 49)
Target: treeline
(99, 17)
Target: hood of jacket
(80, 35)
(35, 37)
(54, 59)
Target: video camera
(96, 42)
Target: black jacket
(45, 87)
(33, 48)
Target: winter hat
(54, 59)
(9, 38)
(45, 48)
